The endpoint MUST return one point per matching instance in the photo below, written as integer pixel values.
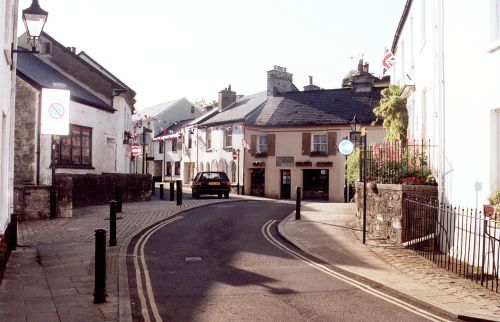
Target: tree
(393, 110)
(347, 80)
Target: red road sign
(235, 155)
(136, 150)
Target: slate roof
(237, 111)
(320, 107)
(174, 128)
(40, 74)
(152, 111)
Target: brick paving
(425, 271)
(50, 277)
(330, 232)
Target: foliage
(353, 166)
(494, 200)
(393, 110)
(347, 80)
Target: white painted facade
(8, 26)
(219, 155)
(448, 58)
(109, 154)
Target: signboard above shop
(55, 111)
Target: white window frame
(262, 144)
(208, 138)
(319, 144)
(422, 24)
(228, 136)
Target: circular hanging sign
(235, 155)
(136, 150)
(346, 147)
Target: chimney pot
(310, 80)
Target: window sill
(74, 166)
(261, 155)
(318, 154)
(493, 46)
(209, 150)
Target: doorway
(286, 184)
(257, 182)
(316, 184)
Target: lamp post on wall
(34, 19)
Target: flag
(245, 144)
(388, 61)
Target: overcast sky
(167, 49)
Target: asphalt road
(215, 264)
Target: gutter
(401, 24)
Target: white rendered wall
(8, 25)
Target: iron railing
(461, 240)
(395, 162)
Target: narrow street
(226, 262)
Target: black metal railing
(461, 240)
(395, 162)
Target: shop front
(315, 184)
(257, 182)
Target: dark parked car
(211, 183)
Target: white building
(448, 58)
(8, 27)
(100, 111)
(158, 118)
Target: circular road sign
(346, 147)
(235, 155)
(56, 111)
(136, 149)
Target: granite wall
(384, 208)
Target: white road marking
(266, 232)
(139, 253)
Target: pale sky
(166, 49)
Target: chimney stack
(311, 86)
(279, 81)
(362, 81)
(226, 98)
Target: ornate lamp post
(34, 19)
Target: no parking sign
(55, 111)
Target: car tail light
(199, 184)
(228, 183)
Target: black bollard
(153, 187)
(161, 191)
(297, 204)
(172, 191)
(179, 192)
(100, 266)
(53, 203)
(112, 223)
(118, 198)
(12, 243)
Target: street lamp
(362, 165)
(34, 19)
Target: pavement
(329, 231)
(50, 276)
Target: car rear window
(213, 175)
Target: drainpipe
(38, 131)
(442, 109)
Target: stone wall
(32, 202)
(384, 208)
(25, 134)
(94, 189)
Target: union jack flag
(245, 144)
(388, 61)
